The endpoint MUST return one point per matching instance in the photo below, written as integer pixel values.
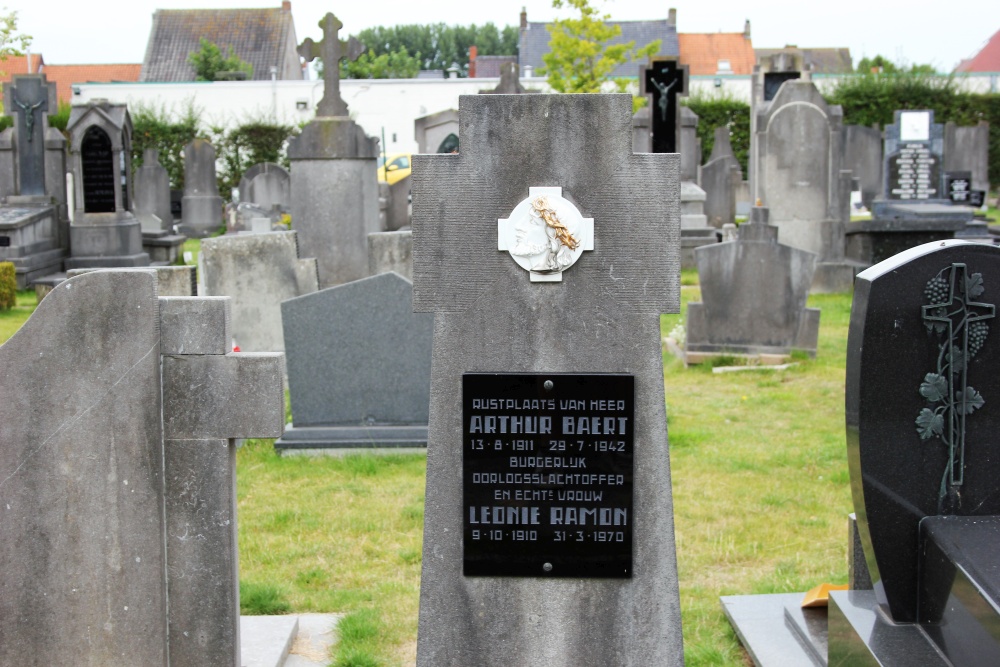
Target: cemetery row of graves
(613, 427)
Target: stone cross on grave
(332, 50)
(27, 99)
(546, 185)
(665, 80)
(953, 312)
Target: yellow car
(399, 167)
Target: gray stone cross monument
(533, 173)
(332, 50)
(29, 101)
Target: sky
(916, 31)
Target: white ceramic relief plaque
(545, 234)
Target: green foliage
(8, 286)
(11, 43)
(873, 98)
(581, 59)
(208, 62)
(882, 65)
(262, 600)
(716, 112)
(358, 636)
(439, 46)
(244, 146)
(60, 119)
(396, 65)
(153, 128)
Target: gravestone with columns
(547, 275)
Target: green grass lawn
(760, 489)
(11, 320)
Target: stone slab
(170, 280)
(266, 640)
(761, 626)
(391, 251)
(235, 395)
(351, 437)
(195, 325)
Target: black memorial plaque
(914, 173)
(96, 157)
(547, 474)
(958, 185)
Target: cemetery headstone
(863, 156)
(104, 232)
(689, 146)
(437, 133)
(268, 186)
(391, 251)
(118, 493)
(170, 280)
(201, 206)
(538, 263)
(921, 374)
(334, 186)
(720, 177)
(34, 233)
(664, 81)
(510, 82)
(641, 133)
(968, 148)
(769, 74)
(258, 271)
(359, 365)
(754, 293)
(152, 209)
(798, 146)
(958, 186)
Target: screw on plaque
(547, 567)
(548, 385)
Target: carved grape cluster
(977, 336)
(936, 290)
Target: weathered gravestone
(913, 207)
(201, 207)
(754, 293)
(34, 229)
(103, 232)
(391, 251)
(152, 209)
(863, 156)
(968, 148)
(510, 82)
(798, 175)
(266, 185)
(334, 186)
(664, 81)
(548, 533)
(170, 280)
(922, 418)
(118, 411)
(720, 177)
(258, 271)
(359, 366)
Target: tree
(208, 62)
(882, 65)
(11, 43)
(396, 65)
(581, 58)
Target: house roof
(19, 65)
(987, 60)
(701, 52)
(823, 61)
(260, 37)
(535, 42)
(65, 76)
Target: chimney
(672, 17)
(286, 6)
(473, 52)
(746, 29)
(524, 18)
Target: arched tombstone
(103, 232)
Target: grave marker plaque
(98, 172)
(547, 474)
(914, 173)
(957, 185)
(665, 80)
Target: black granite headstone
(923, 404)
(914, 173)
(29, 101)
(665, 80)
(98, 171)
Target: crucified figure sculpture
(29, 115)
(663, 101)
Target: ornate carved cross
(332, 50)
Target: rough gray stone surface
(720, 177)
(358, 355)
(642, 137)
(170, 280)
(201, 208)
(690, 144)
(863, 156)
(602, 317)
(258, 271)
(391, 251)
(968, 149)
(152, 194)
(754, 293)
(334, 209)
(195, 326)
(113, 532)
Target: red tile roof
(19, 65)
(66, 75)
(701, 52)
(987, 60)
